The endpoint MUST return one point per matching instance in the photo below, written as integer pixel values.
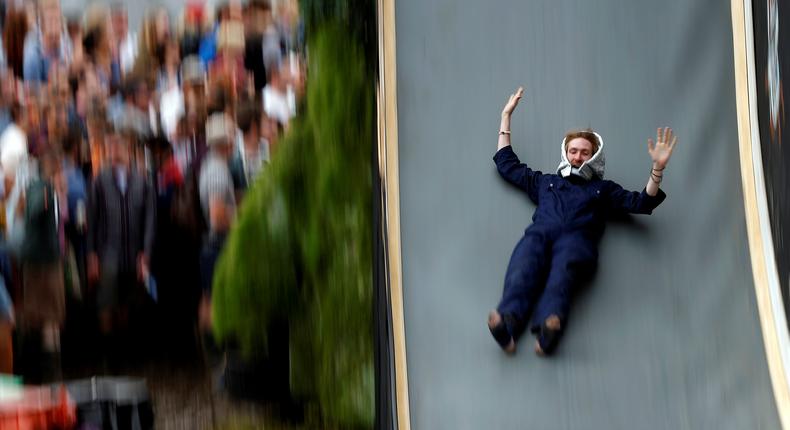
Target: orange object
(6, 348)
(39, 408)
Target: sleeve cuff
(504, 152)
(654, 201)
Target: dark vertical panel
(775, 135)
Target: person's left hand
(661, 150)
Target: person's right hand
(512, 102)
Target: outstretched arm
(507, 163)
(504, 124)
(659, 153)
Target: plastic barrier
(112, 403)
(33, 408)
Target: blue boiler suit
(559, 250)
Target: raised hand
(661, 150)
(512, 102)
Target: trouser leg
(524, 280)
(574, 259)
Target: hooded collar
(590, 169)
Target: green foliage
(302, 245)
(358, 17)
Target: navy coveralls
(560, 249)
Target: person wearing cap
(215, 187)
(217, 201)
(559, 250)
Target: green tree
(301, 247)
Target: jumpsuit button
(551, 185)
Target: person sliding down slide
(559, 250)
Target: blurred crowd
(124, 155)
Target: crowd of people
(124, 155)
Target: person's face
(172, 56)
(51, 24)
(269, 129)
(118, 151)
(224, 149)
(120, 24)
(7, 88)
(578, 151)
(50, 168)
(255, 20)
(235, 10)
(142, 97)
(162, 25)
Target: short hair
(263, 5)
(72, 140)
(249, 113)
(219, 99)
(118, 7)
(585, 133)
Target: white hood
(592, 168)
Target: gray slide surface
(668, 335)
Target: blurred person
(7, 323)
(183, 146)
(76, 35)
(169, 60)
(208, 44)
(290, 26)
(154, 34)
(272, 50)
(192, 29)
(194, 86)
(278, 96)
(14, 32)
(169, 176)
(559, 250)
(250, 157)
(139, 109)
(47, 43)
(13, 140)
(7, 97)
(190, 94)
(14, 161)
(171, 97)
(121, 223)
(76, 199)
(257, 19)
(228, 66)
(43, 304)
(96, 124)
(56, 110)
(126, 43)
(217, 201)
(98, 47)
(34, 122)
(220, 97)
(174, 262)
(270, 132)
